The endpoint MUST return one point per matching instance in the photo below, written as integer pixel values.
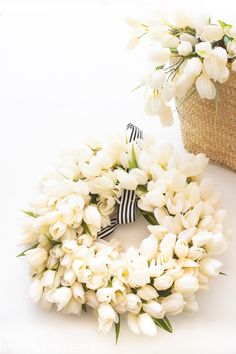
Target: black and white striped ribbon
(126, 212)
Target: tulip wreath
(100, 185)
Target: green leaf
(133, 162)
(222, 273)
(109, 284)
(164, 293)
(226, 40)
(223, 24)
(30, 213)
(93, 198)
(85, 227)
(141, 188)
(164, 323)
(51, 241)
(30, 248)
(117, 329)
(159, 67)
(149, 217)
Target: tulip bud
(181, 248)
(147, 292)
(91, 299)
(173, 304)
(203, 49)
(36, 290)
(163, 282)
(186, 285)
(184, 48)
(133, 303)
(106, 312)
(133, 324)
(57, 230)
(148, 247)
(92, 216)
(105, 294)
(160, 55)
(205, 87)
(72, 308)
(217, 244)
(78, 292)
(212, 33)
(191, 306)
(147, 325)
(60, 296)
(154, 309)
(196, 253)
(202, 238)
(126, 180)
(36, 257)
(48, 278)
(210, 266)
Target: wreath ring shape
(100, 185)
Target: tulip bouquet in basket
(188, 56)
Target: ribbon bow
(126, 212)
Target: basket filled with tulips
(194, 62)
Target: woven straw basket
(210, 130)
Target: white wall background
(65, 74)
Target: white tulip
(78, 292)
(44, 303)
(60, 296)
(73, 308)
(140, 175)
(173, 304)
(168, 91)
(147, 292)
(212, 33)
(126, 180)
(154, 104)
(69, 278)
(155, 198)
(184, 48)
(91, 299)
(210, 266)
(187, 234)
(36, 257)
(230, 31)
(186, 285)
(163, 282)
(92, 216)
(217, 244)
(148, 247)
(193, 66)
(48, 278)
(181, 248)
(106, 312)
(154, 309)
(133, 303)
(58, 229)
(221, 55)
(205, 87)
(36, 290)
(133, 324)
(157, 79)
(105, 294)
(168, 242)
(160, 55)
(202, 238)
(196, 253)
(183, 83)
(188, 38)
(231, 48)
(166, 116)
(147, 325)
(191, 306)
(203, 49)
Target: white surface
(64, 75)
